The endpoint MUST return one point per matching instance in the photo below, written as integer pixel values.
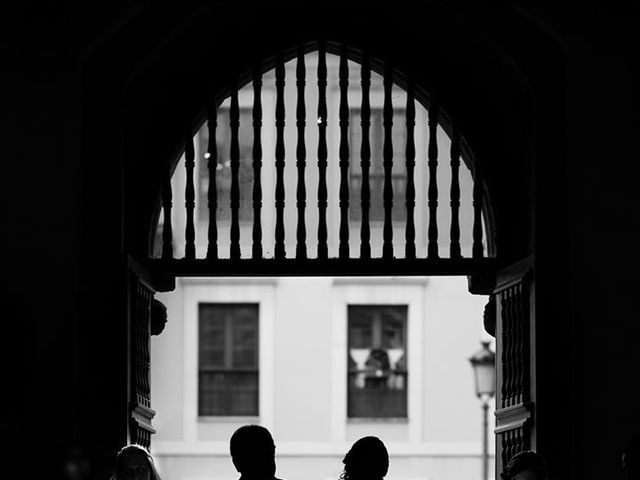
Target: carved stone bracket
(512, 417)
(141, 427)
(513, 431)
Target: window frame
(228, 352)
(408, 291)
(377, 324)
(227, 290)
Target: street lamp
(484, 369)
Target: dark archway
(477, 77)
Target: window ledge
(225, 419)
(361, 420)
(382, 281)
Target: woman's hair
(526, 460)
(368, 459)
(128, 450)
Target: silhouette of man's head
(527, 465)
(631, 459)
(253, 451)
(367, 460)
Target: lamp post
(484, 363)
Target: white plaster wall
(327, 467)
(452, 333)
(167, 364)
(303, 356)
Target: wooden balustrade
(344, 155)
(257, 164)
(421, 206)
(140, 296)
(323, 249)
(212, 192)
(365, 157)
(301, 156)
(280, 160)
(190, 198)
(514, 404)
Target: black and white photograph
(321, 241)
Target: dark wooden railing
(514, 402)
(212, 196)
(323, 249)
(302, 262)
(365, 158)
(140, 295)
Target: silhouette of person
(366, 460)
(253, 453)
(158, 317)
(134, 462)
(527, 465)
(631, 459)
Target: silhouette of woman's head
(527, 465)
(134, 462)
(253, 451)
(367, 460)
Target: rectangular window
(228, 359)
(377, 361)
(376, 170)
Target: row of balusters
(322, 156)
(140, 336)
(515, 341)
(513, 442)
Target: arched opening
(327, 162)
(147, 161)
(437, 196)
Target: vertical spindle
(301, 154)
(190, 197)
(167, 230)
(387, 156)
(343, 75)
(432, 152)
(410, 236)
(509, 327)
(212, 191)
(257, 163)
(234, 160)
(477, 250)
(365, 158)
(519, 353)
(503, 338)
(279, 159)
(454, 246)
(506, 344)
(323, 249)
(526, 347)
